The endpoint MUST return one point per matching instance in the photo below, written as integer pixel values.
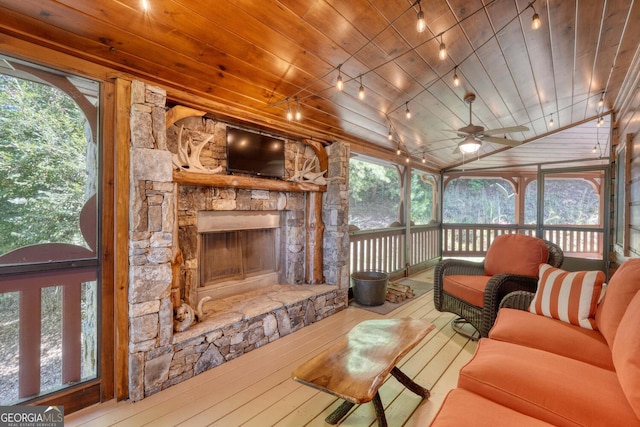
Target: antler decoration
(188, 155)
(309, 171)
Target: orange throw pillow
(571, 297)
(515, 254)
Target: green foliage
(479, 201)
(42, 165)
(374, 194)
(421, 198)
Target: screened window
(422, 196)
(374, 195)
(479, 201)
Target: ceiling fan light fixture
(421, 25)
(469, 145)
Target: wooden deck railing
(30, 286)
(385, 249)
(473, 240)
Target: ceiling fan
(474, 135)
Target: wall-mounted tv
(254, 153)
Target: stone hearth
(163, 215)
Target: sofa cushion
(515, 254)
(531, 330)
(568, 296)
(626, 353)
(463, 408)
(623, 285)
(552, 388)
(467, 288)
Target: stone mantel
(243, 182)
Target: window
(479, 201)
(422, 195)
(374, 195)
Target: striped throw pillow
(571, 297)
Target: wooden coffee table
(355, 366)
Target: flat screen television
(254, 153)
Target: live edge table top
(355, 367)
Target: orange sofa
(539, 370)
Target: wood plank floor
(257, 390)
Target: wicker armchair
(497, 287)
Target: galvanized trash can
(369, 287)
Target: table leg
(409, 383)
(339, 413)
(377, 404)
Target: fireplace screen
(237, 254)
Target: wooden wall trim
(107, 241)
(121, 170)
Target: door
(50, 287)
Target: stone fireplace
(238, 251)
(171, 222)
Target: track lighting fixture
(443, 49)
(551, 122)
(339, 82)
(298, 110)
(456, 79)
(407, 113)
(420, 24)
(289, 113)
(361, 89)
(535, 20)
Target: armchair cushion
(624, 284)
(515, 254)
(626, 354)
(467, 288)
(571, 297)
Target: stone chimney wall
(159, 357)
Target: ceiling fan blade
(503, 141)
(506, 130)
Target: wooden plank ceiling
(255, 57)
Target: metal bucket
(369, 287)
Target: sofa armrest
(450, 267)
(520, 300)
(498, 287)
